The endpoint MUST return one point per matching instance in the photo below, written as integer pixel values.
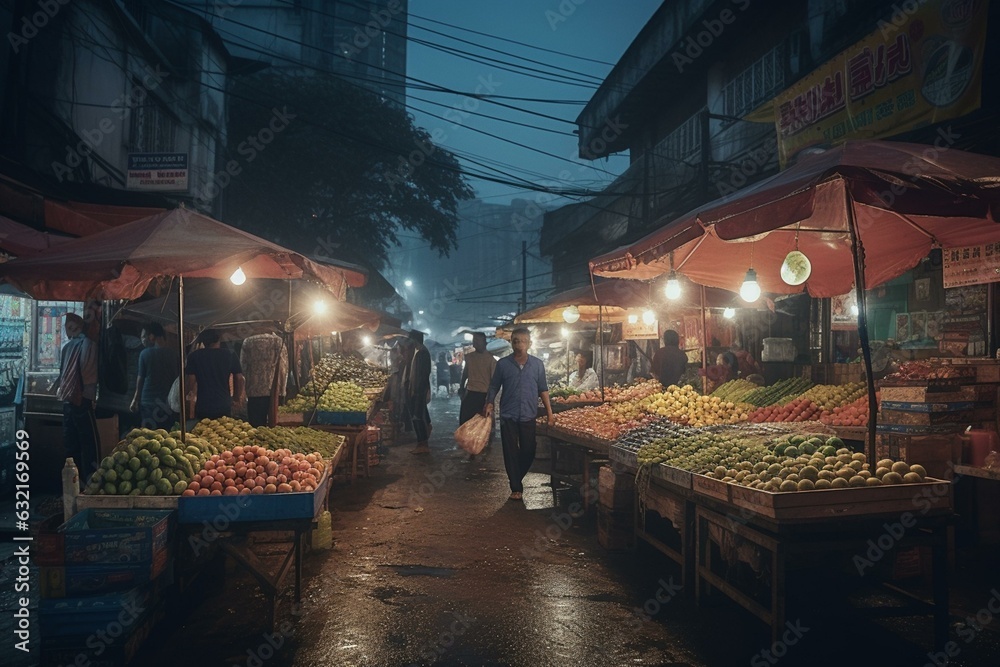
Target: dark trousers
(80, 437)
(472, 405)
(258, 408)
(518, 439)
(421, 418)
(156, 416)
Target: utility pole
(524, 276)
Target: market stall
(219, 457)
(847, 219)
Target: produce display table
(981, 473)
(235, 523)
(591, 448)
(715, 525)
(724, 542)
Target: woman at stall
(584, 378)
(726, 368)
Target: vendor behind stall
(584, 378)
(208, 370)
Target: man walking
(158, 367)
(419, 391)
(264, 360)
(522, 378)
(77, 391)
(475, 380)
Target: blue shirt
(521, 387)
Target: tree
(330, 169)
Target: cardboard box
(936, 453)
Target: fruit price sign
(971, 265)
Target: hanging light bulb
(633, 318)
(648, 317)
(366, 340)
(238, 277)
(673, 289)
(729, 313)
(565, 332)
(750, 289)
(319, 307)
(571, 314)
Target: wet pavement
(431, 564)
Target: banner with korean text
(920, 66)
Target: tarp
(906, 200)
(23, 241)
(257, 306)
(121, 262)
(613, 300)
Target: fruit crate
(711, 487)
(83, 616)
(832, 504)
(115, 536)
(255, 507)
(925, 394)
(81, 580)
(341, 418)
(623, 459)
(86, 501)
(675, 476)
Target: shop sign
(923, 65)
(161, 172)
(640, 330)
(971, 265)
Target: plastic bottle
(70, 488)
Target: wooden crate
(711, 487)
(615, 491)
(670, 475)
(615, 530)
(835, 503)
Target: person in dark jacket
(419, 391)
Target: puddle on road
(421, 570)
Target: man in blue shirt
(522, 378)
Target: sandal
(516, 495)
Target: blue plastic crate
(96, 536)
(80, 580)
(83, 616)
(253, 507)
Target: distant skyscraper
(362, 40)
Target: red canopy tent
(120, 263)
(863, 213)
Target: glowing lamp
(238, 277)
(673, 289)
(571, 314)
(729, 313)
(633, 318)
(648, 317)
(750, 289)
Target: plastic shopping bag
(473, 434)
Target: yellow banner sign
(972, 265)
(921, 66)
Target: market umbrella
(260, 305)
(898, 201)
(863, 213)
(609, 300)
(23, 241)
(120, 263)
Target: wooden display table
(591, 450)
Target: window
(755, 85)
(152, 129)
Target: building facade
(713, 96)
(363, 41)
